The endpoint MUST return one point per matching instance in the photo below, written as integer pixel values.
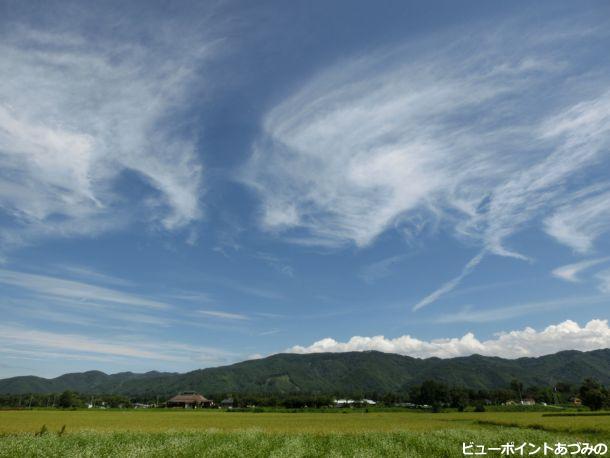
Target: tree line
(590, 393)
(64, 400)
(437, 395)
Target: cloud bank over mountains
(567, 335)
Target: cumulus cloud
(77, 115)
(405, 137)
(514, 344)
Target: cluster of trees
(592, 394)
(287, 401)
(65, 400)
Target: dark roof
(189, 397)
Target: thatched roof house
(189, 399)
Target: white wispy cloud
(76, 115)
(17, 339)
(486, 315)
(579, 223)
(246, 289)
(570, 272)
(380, 269)
(567, 335)
(432, 134)
(88, 315)
(89, 274)
(451, 284)
(275, 262)
(224, 315)
(604, 281)
(74, 290)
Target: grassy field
(19, 421)
(217, 433)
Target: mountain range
(332, 373)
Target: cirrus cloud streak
(76, 116)
(486, 136)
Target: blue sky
(195, 184)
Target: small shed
(227, 403)
(189, 400)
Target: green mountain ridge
(331, 373)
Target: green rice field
(221, 433)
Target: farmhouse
(189, 400)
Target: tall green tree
(593, 394)
(68, 399)
(517, 387)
